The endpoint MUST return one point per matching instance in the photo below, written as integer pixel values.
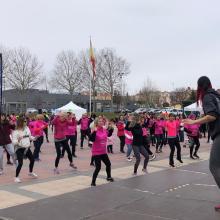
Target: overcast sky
(172, 42)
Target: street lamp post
(121, 75)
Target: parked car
(31, 110)
(140, 110)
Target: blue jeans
(129, 146)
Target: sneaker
(33, 174)
(56, 171)
(9, 163)
(180, 161)
(110, 179)
(195, 156)
(152, 157)
(129, 159)
(134, 174)
(92, 164)
(1, 172)
(93, 184)
(192, 157)
(172, 165)
(144, 170)
(17, 180)
(73, 166)
(217, 208)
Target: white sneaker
(1, 172)
(56, 171)
(17, 180)
(129, 159)
(33, 175)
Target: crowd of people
(139, 134)
(144, 135)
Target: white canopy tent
(194, 108)
(71, 107)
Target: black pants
(214, 162)
(58, 146)
(20, 157)
(174, 143)
(84, 133)
(147, 145)
(159, 144)
(122, 143)
(98, 159)
(37, 145)
(194, 141)
(110, 148)
(137, 151)
(164, 137)
(72, 140)
(46, 132)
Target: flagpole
(90, 94)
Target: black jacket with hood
(211, 106)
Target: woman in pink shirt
(37, 127)
(173, 140)
(159, 126)
(193, 134)
(99, 152)
(60, 123)
(71, 133)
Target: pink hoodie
(84, 123)
(99, 145)
(71, 128)
(159, 125)
(60, 128)
(37, 127)
(128, 137)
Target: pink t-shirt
(100, 143)
(71, 127)
(37, 127)
(84, 123)
(128, 137)
(159, 125)
(194, 129)
(171, 127)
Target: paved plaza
(186, 192)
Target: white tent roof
(71, 107)
(193, 108)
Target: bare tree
(5, 57)
(110, 70)
(23, 70)
(149, 94)
(67, 73)
(180, 94)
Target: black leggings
(46, 132)
(62, 144)
(174, 143)
(159, 138)
(84, 133)
(72, 140)
(214, 162)
(20, 156)
(194, 141)
(137, 151)
(122, 143)
(106, 161)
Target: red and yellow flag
(92, 59)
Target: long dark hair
(204, 84)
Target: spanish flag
(92, 59)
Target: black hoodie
(211, 107)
